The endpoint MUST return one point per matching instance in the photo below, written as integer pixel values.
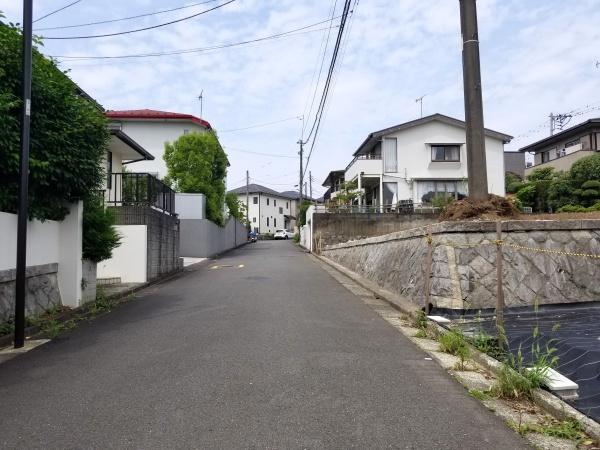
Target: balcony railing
(139, 189)
(403, 207)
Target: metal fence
(402, 207)
(139, 189)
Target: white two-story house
(152, 129)
(268, 210)
(420, 159)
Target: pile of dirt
(493, 208)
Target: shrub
(99, 234)
(453, 342)
(586, 169)
(527, 195)
(302, 215)
(514, 186)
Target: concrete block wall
(203, 239)
(464, 262)
(335, 228)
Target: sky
(537, 58)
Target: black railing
(139, 189)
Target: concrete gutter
(544, 399)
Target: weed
(567, 429)
(479, 395)
(421, 334)
(419, 320)
(7, 328)
(454, 342)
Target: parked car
(252, 237)
(281, 234)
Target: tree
(196, 163)
(347, 194)
(69, 135)
(237, 209)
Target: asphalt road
(272, 355)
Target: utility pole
(305, 190)
(476, 158)
(310, 180)
(248, 199)
(23, 180)
(301, 169)
(560, 119)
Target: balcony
(563, 160)
(139, 189)
(369, 165)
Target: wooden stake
(428, 264)
(499, 287)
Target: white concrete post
(70, 271)
(359, 190)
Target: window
(256, 230)
(445, 153)
(390, 193)
(186, 131)
(573, 142)
(267, 201)
(390, 155)
(274, 202)
(280, 210)
(254, 220)
(255, 200)
(545, 157)
(108, 170)
(286, 205)
(267, 221)
(275, 222)
(427, 190)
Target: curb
(544, 399)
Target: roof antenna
(420, 100)
(200, 97)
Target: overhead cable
(101, 22)
(294, 32)
(56, 11)
(141, 29)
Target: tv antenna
(201, 98)
(420, 100)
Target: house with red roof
(152, 129)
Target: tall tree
(196, 163)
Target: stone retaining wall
(42, 291)
(464, 262)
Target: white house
(419, 159)
(268, 210)
(152, 129)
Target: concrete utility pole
(305, 190)
(476, 158)
(560, 119)
(301, 169)
(201, 98)
(23, 206)
(310, 180)
(248, 199)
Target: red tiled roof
(154, 114)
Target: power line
(101, 22)
(318, 117)
(258, 153)
(260, 125)
(326, 42)
(56, 10)
(142, 29)
(294, 32)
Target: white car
(283, 234)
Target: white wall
(48, 242)
(152, 135)
(190, 206)
(129, 260)
(414, 158)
